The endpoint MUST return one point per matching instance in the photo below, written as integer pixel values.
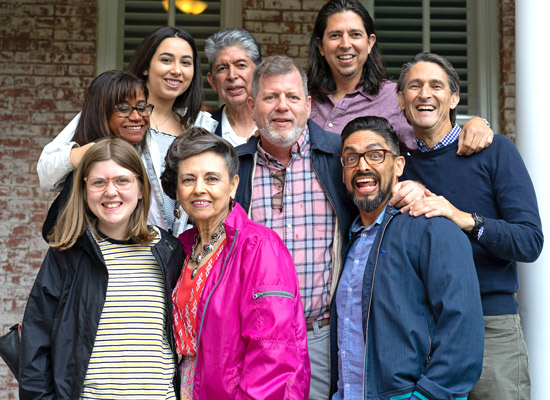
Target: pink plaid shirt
(306, 223)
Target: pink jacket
(252, 341)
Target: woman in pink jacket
(238, 318)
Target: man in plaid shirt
(291, 182)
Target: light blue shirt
(351, 341)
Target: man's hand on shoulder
(432, 205)
(405, 193)
(475, 136)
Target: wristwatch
(478, 223)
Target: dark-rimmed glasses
(99, 183)
(277, 201)
(125, 110)
(372, 157)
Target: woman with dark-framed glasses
(97, 322)
(115, 106)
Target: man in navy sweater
(488, 195)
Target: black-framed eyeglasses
(372, 157)
(125, 110)
(100, 184)
(277, 200)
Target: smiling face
(231, 76)
(426, 99)
(346, 45)
(205, 188)
(112, 207)
(170, 70)
(281, 108)
(133, 127)
(370, 186)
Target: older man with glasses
(290, 181)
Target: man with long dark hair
(346, 76)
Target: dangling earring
(231, 203)
(177, 211)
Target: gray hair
(452, 76)
(232, 37)
(274, 66)
(191, 142)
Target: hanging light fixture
(188, 6)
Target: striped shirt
(306, 223)
(131, 358)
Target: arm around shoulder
(54, 163)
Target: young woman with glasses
(97, 322)
(167, 63)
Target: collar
(298, 149)
(449, 138)
(357, 226)
(360, 91)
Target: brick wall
(507, 90)
(282, 26)
(47, 59)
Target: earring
(145, 72)
(231, 203)
(177, 211)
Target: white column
(533, 140)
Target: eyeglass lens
(125, 110)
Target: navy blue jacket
(63, 312)
(495, 184)
(422, 313)
(217, 115)
(325, 153)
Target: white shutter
(141, 17)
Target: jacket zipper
(370, 303)
(271, 293)
(210, 296)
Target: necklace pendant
(194, 273)
(208, 247)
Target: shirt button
(356, 261)
(347, 385)
(346, 320)
(364, 234)
(350, 290)
(330, 124)
(288, 198)
(289, 226)
(343, 353)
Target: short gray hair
(191, 142)
(232, 37)
(274, 66)
(452, 76)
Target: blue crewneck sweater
(495, 184)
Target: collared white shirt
(229, 134)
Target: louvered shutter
(405, 28)
(141, 17)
